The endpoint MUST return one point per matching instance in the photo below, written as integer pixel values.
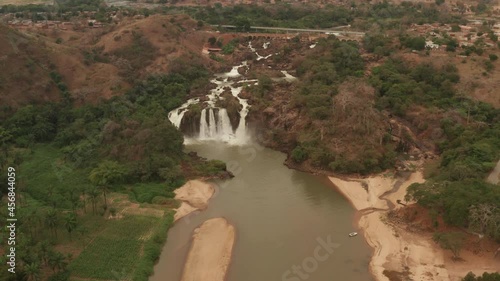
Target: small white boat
(352, 234)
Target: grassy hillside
(90, 65)
(25, 74)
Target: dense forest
(384, 15)
(469, 142)
(70, 159)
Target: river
(283, 219)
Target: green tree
(70, 223)
(52, 220)
(32, 271)
(74, 199)
(106, 174)
(44, 250)
(57, 261)
(83, 198)
(377, 43)
(455, 28)
(93, 196)
(299, 154)
(5, 136)
(495, 276)
(452, 241)
(414, 43)
(242, 24)
(212, 40)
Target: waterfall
(214, 121)
(212, 126)
(223, 124)
(241, 130)
(259, 57)
(216, 128)
(203, 124)
(175, 116)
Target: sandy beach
(395, 250)
(194, 195)
(210, 252)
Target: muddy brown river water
(290, 225)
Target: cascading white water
(217, 125)
(259, 57)
(212, 126)
(203, 123)
(223, 123)
(215, 128)
(175, 116)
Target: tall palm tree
(30, 222)
(93, 194)
(32, 271)
(44, 251)
(52, 220)
(57, 261)
(74, 199)
(106, 174)
(83, 197)
(105, 190)
(70, 223)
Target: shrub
(299, 154)
(488, 65)
(414, 43)
(455, 28)
(229, 47)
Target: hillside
(24, 76)
(94, 64)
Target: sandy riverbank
(494, 176)
(395, 250)
(210, 252)
(194, 195)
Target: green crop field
(115, 251)
(46, 175)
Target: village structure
(467, 35)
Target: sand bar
(210, 252)
(393, 248)
(194, 195)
